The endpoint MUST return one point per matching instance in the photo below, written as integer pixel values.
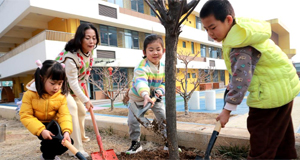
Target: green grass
(234, 152)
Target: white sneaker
(55, 158)
(82, 152)
(134, 148)
(167, 148)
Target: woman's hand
(147, 99)
(66, 138)
(223, 117)
(88, 104)
(46, 134)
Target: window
(137, 5)
(297, 66)
(207, 75)
(97, 78)
(212, 52)
(216, 76)
(183, 44)
(193, 75)
(152, 13)
(198, 23)
(222, 75)
(219, 53)
(108, 35)
(118, 2)
(203, 50)
(189, 75)
(131, 39)
(192, 46)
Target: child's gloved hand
(66, 138)
(147, 99)
(46, 134)
(158, 93)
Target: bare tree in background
(107, 78)
(171, 18)
(201, 76)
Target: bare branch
(190, 7)
(107, 80)
(161, 11)
(179, 15)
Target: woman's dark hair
(151, 38)
(50, 69)
(74, 44)
(219, 8)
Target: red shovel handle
(102, 153)
(99, 141)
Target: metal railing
(44, 35)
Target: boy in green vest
(258, 65)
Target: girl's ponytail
(39, 84)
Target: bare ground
(21, 144)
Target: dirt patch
(20, 144)
(195, 117)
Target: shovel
(140, 113)
(211, 142)
(103, 154)
(55, 129)
(214, 136)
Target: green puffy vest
(274, 82)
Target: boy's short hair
(219, 8)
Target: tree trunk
(170, 72)
(186, 106)
(112, 106)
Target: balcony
(44, 35)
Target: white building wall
(11, 12)
(24, 61)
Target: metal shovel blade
(109, 155)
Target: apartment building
(35, 29)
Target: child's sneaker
(55, 158)
(134, 148)
(166, 148)
(82, 152)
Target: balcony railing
(45, 35)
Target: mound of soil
(160, 154)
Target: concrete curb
(189, 134)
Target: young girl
(149, 77)
(44, 101)
(78, 58)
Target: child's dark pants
(271, 133)
(51, 148)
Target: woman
(78, 59)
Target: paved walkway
(238, 121)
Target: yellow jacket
(274, 82)
(35, 111)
